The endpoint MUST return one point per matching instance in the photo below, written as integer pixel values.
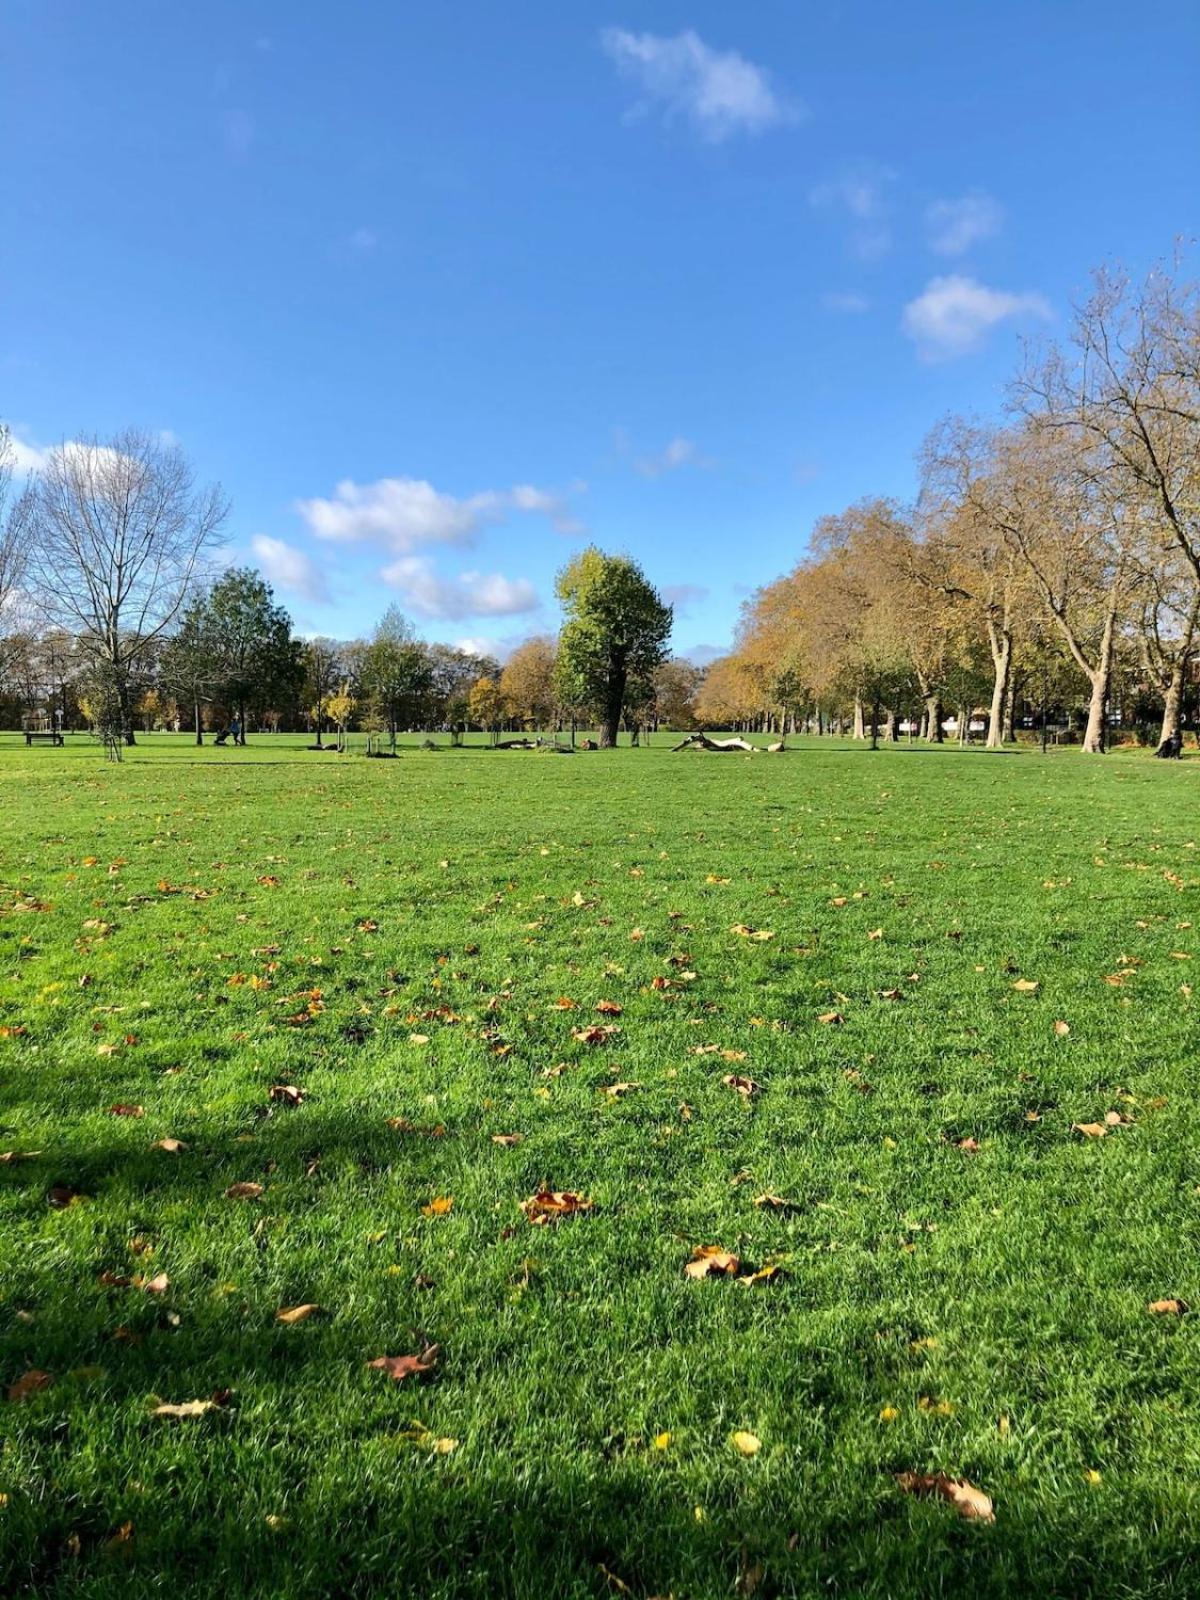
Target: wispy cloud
(953, 315)
(677, 452)
(860, 193)
(470, 594)
(955, 225)
(718, 91)
(684, 595)
(404, 514)
(290, 568)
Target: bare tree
(14, 543)
(117, 533)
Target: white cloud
(955, 225)
(719, 91)
(24, 457)
(860, 192)
(953, 315)
(290, 568)
(677, 453)
(850, 302)
(485, 645)
(683, 596)
(471, 594)
(402, 514)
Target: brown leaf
(609, 1008)
(291, 1314)
(711, 1261)
(126, 1111)
(547, 1205)
(8, 1156)
(1090, 1130)
(29, 1383)
(1026, 986)
(835, 1018)
(775, 1202)
(159, 1284)
(62, 1195)
(1167, 1308)
(1062, 1029)
(746, 1087)
(971, 1146)
(441, 1205)
(594, 1035)
(969, 1501)
(171, 1146)
(891, 994)
(507, 1140)
(616, 1090)
(766, 1274)
(286, 1093)
(761, 935)
(564, 1003)
(243, 1191)
(401, 1367)
(189, 1408)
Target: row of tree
(1051, 558)
(110, 616)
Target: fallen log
(701, 741)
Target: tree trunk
(1007, 732)
(1173, 700)
(889, 727)
(613, 705)
(932, 731)
(860, 731)
(1000, 641)
(199, 725)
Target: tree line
(1050, 560)
(111, 618)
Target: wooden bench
(31, 735)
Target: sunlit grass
(981, 1313)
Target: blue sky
(439, 291)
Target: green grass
(1006, 1289)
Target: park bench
(33, 734)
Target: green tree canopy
(615, 633)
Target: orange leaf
(547, 1205)
(400, 1367)
(29, 1383)
(243, 1191)
(969, 1501)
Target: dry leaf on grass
(1026, 986)
(1062, 1029)
(1090, 1130)
(746, 1087)
(746, 1443)
(171, 1146)
(616, 1090)
(548, 1205)
(609, 1008)
(29, 1383)
(243, 1191)
(401, 1367)
(9, 1156)
(126, 1111)
(286, 1093)
(191, 1408)
(292, 1314)
(507, 1140)
(711, 1261)
(761, 935)
(441, 1205)
(832, 1018)
(969, 1501)
(775, 1202)
(1167, 1308)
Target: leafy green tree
(395, 671)
(256, 659)
(189, 663)
(615, 634)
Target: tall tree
(190, 661)
(14, 541)
(395, 671)
(323, 669)
(117, 532)
(616, 629)
(256, 659)
(527, 682)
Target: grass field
(184, 931)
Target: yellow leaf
(439, 1206)
(888, 1414)
(661, 1441)
(746, 1444)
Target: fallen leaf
(971, 1146)
(1062, 1029)
(831, 1017)
(61, 1196)
(507, 1140)
(775, 1202)
(126, 1111)
(616, 1090)
(711, 1261)
(401, 1367)
(1026, 986)
(187, 1408)
(743, 1086)
(745, 1443)
(766, 1274)
(759, 934)
(291, 1314)
(159, 1284)
(287, 1093)
(547, 1205)
(171, 1146)
(243, 1191)
(29, 1383)
(439, 1206)
(609, 1008)
(1090, 1130)
(1167, 1308)
(969, 1501)
(7, 1156)
(662, 1441)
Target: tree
(527, 682)
(485, 705)
(616, 629)
(14, 541)
(676, 684)
(190, 663)
(395, 671)
(255, 658)
(322, 666)
(342, 706)
(117, 533)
